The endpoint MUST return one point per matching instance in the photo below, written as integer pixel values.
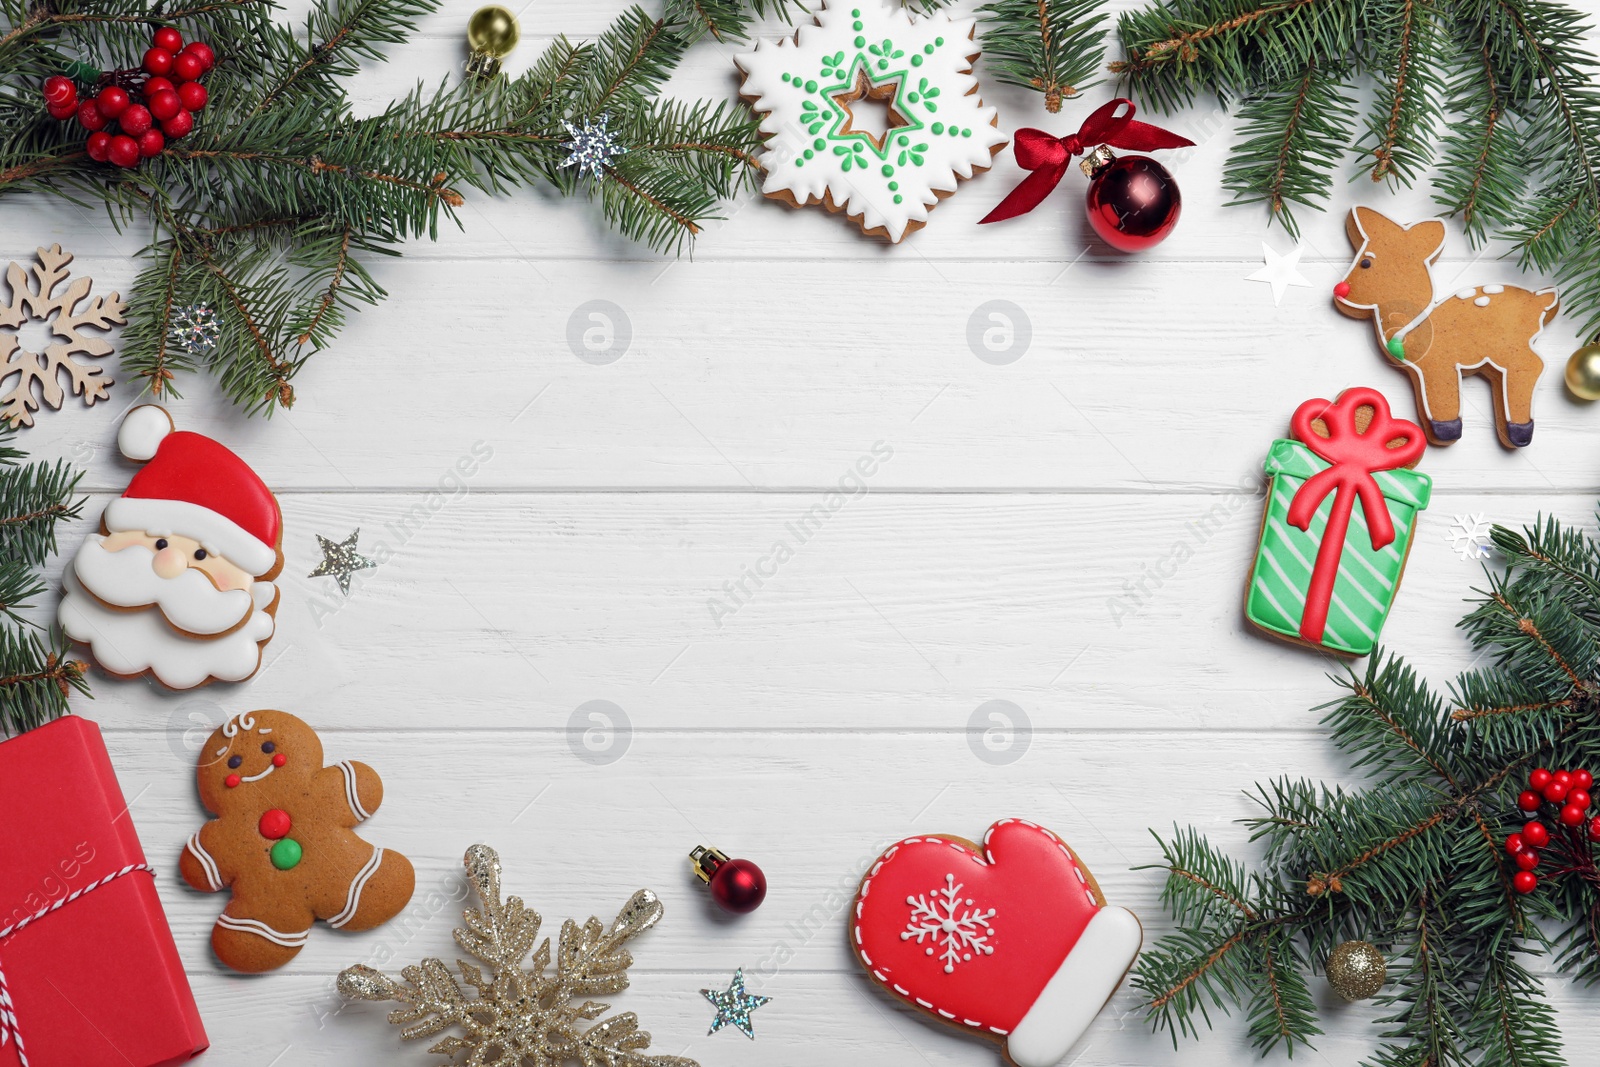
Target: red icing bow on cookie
(1047, 155)
(1356, 454)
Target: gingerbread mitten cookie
(284, 841)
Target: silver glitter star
(734, 1005)
(340, 558)
(195, 329)
(593, 147)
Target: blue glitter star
(593, 147)
(734, 1005)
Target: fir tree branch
(1053, 46)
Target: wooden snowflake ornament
(872, 112)
(68, 310)
(522, 1017)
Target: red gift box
(96, 982)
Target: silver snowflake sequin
(194, 328)
(593, 147)
(734, 1005)
(340, 559)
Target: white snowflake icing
(1469, 536)
(918, 69)
(952, 924)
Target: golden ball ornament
(1356, 970)
(1583, 372)
(493, 30)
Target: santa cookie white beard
(127, 578)
(130, 643)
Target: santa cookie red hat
(191, 486)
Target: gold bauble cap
(493, 30)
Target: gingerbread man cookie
(872, 112)
(1011, 940)
(283, 841)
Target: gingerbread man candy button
(284, 841)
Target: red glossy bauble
(1133, 203)
(168, 38)
(193, 95)
(124, 151)
(739, 886)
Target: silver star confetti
(195, 329)
(340, 559)
(592, 146)
(734, 1005)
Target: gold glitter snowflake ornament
(66, 313)
(522, 1017)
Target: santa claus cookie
(872, 112)
(1011, 940)
(283, 842)
(178, 583)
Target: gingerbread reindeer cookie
(1485, 330)
(284, 841)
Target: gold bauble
(1356, 970)
(1583, 372)
(493, 30)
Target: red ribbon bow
(1356, 455)
(1047, 155)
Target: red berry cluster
(134, 113)
(1568, 792)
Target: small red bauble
(60, 92)
(152, 86)
(135, 120)
(1564, 777)
(112, 101)
(736, 885)
(1577, 796)
(1525, 881)
(124, 152)
(98, 146)
(1515, 844)
(1539, 779)
(1582, 779)
(187, 67)
(1535, 834)
(1133, 203)
(178, 125)
(1528, 801)
(1527, 859)
(193, 95)
(201, 51)
(89, 116)
(165, 104)
(151, 143)
(62, 112)
(158, 61)
(274, 824)
(1556, 791)
(1571, 815)
(168, 38)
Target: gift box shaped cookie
(89, 965)
(1340, 517)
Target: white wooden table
(537, 666)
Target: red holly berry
(1535, 834)
(187, 67)
(158, 61)
(1594, 828)
(1515, 844)
(168, 38)
(89, 116)
(1539, 779)
(1571, 815)
(112, 101)
(193, 95)
(60, 92)
(151, 143)
(1582, 779)
(1556, 791)
(165, 104)
(1527, 859)
(62, 112)
(178, 125)
(98, 146)
(202, 51)
(1564, 777)
(135, 120)
(1525, 881)
(1528, 801)
(124, 151)
(152, 86)
(1577, 796)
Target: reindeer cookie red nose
(1341, 290)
